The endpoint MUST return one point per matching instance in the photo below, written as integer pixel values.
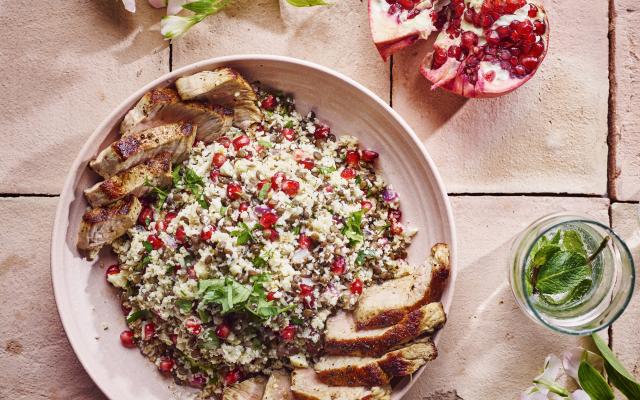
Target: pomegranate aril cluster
(397, 6)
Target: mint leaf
(617, 373)
(263, 192)
(136, 315)
(307, 3)
(184, 305)
(545, 253)
(593, 382)
(147, 246)
(556, 237)
(210, 339)
(562, 272)
(352, 229)
(572, 241)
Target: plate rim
(61, 219)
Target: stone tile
(336, 36)
(489, 348)
(71, 63)
(549, 136)
(626, 342)
(35, 358)
(627, 122)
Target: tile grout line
(170, 55)
(612, 137)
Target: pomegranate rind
(449, 76)
(392, 33)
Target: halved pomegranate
(488, 48)
(396, 24)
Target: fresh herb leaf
(352, 229)
(289, 124)
(593, 382)
(176, 174)
(264, 190)
(243, 235)
(210, 339)
(327, 170)
(545, 253)
(562, 272)
(259, 262)
(204, 315)
(265, 143)
(363, 255)
(617, 373)
(174, 26)
(184, 305)
(147, 246)
(227, 293)
(296, 320)
(143, 263)
(572, 241)
(556, 238)
(297, 230)
(307, 3)
(136, 315)
(577, 293)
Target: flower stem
(599, 250)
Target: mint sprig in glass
(571, 273)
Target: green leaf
(352, 229)
(577, 293)
(327, 170)
(204, 315)
(176, 174)
(297, 230)
(545, 253)
(184, 305)
(556, 237)
(263, 192)
(617, 373)
(201, 6)
(593, 382)
(136, 315)
(307, 3)
(572, 241)
(259, 262)
(147, 246)
(265, 143)
(562, 272)
(210, 339)
(363, 255)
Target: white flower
(175, 6)
(579, 395)
(173, 26)
(129, 5)
(158, 3)
(571, 361)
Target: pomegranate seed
(305, 290)
(406, 4)
(519, 70)
(166, 365)
(125, 309)
(193, 326)
(113, 269)
(213, 175)
(524, 28)
(393, 9)
(170, 216)
(290, 187)
(539, 27)
(156, 242)
(458, 10)
(328, 189)
(537, 49)
(396, 228)
(271, 296)
(493, 37)
(439, 57)
(338, 266)
(262, 183)
(454, 52)
(146, 216)
(269, 103)
(304, 241)
(271, 234)
(288, 333)
(191, 273)
(149, 330)
(468, 16)
(181, 235)
(395, 215)
(356, 286)
(234, 190)
(289, 134)
(529, 63)
(307, 163)
(223, 331)
(533, 11)
(503, 31)
(486, 21)
(174, 338)
(277, 179)
(490, 76)
(219, 159)
(348, 173)
(366, 205)
(240, 142)
(243, 207)
(468, 40)
(198, 381)
(352, 158)
(126, 338)
(369, 155)
(268, 219)
(206, 233)
(514, 61)
(321, 132)
(232, 377)
(225, 142)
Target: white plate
(89, 307)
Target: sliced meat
(343, 339)
(226, 87)
(137, 181)
(139, 147)
(386, 304)
(370, 371)
(305, 385)
(250, 389)
(102, 225)
(278, 387)
(147, 109)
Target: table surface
(568, 140)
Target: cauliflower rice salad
(264, 234)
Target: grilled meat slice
(370, 371)
(305, 385)
(137, 181)
(147, 109)
(226, 87)
(250, 389)
(102, 225)
(278, 386)
(137, 148)
(386, 304)
(343, 339)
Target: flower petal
(129, 5)
(158, 3)
(579, 395)
(571, 361)
(552, 369)
(175, 6)
(173, 26)
(535, 393)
